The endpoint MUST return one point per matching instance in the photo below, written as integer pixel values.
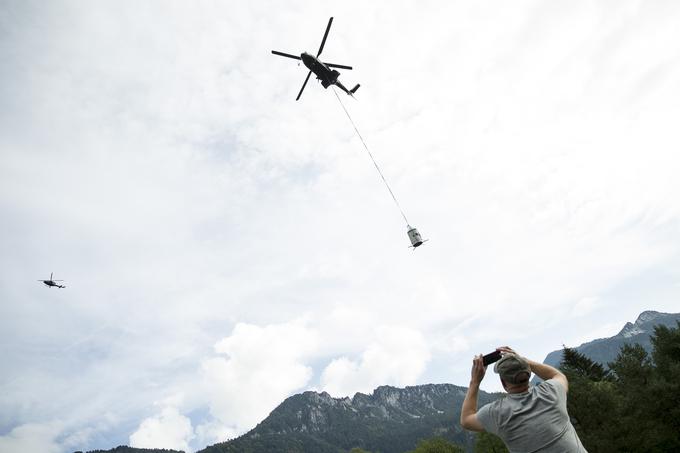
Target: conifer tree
(633, 406)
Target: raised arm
(546, 372)
(468, 413)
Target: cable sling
(371, 156)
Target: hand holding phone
(490, 358)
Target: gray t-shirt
(533, 421)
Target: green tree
(358, 450)
(632, 373)
(666, 354)
(576, 364)
(489, 443)
(592, 400)
(664, 389)
(437, 445)
(633, 406)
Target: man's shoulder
(551, 389)
(492, 408)
(489, 406)
(496, 405)
(551, 383)
(498, 401)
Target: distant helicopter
(52, 282)
(322, 70)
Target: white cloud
(212, 432)
(397, 356)
(31, 438)
(257, 368)
(168, 429)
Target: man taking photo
(530, 418)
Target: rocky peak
(647, 316)
(630, 330)
(320, 398)
(389, 396)
(643, 324)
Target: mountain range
(389, 420)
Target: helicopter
(322, 70)
(51, 282)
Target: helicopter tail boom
(343, 88)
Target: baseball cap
(513, 369)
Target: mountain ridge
(605, 350)
(390, 419)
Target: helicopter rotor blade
(325, 35)
(341, 66)
(303, 86)
(283, 54)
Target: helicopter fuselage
(326, 75)
(51, 283)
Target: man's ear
(505, 385)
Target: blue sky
(224, 246)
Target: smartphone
(491, 358)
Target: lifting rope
(371, 155)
